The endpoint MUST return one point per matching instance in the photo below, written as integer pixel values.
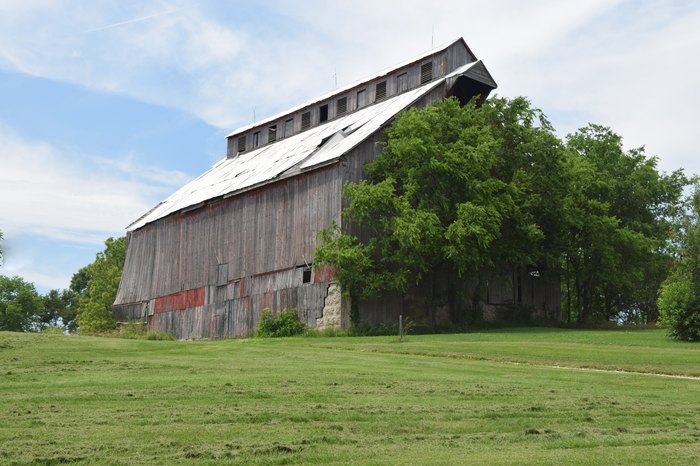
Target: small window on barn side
(289, 127)
(426, 72)
(306, 277)
(305, 120)
(361, 98)
(380, 91)
(241, 144)
(272, 133)
(323, 113)
(341, 106)
(256, 139)
(401, 82)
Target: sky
(108, 107)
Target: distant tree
(97, 284)
(59, 308)
(679, 300)
(20, 304)
(619, 212)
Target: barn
(240, 238)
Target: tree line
(86, 304)
(459, 191)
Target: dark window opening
(401, 82)
(361, 98)
(341, 106)
(380, 91)
(305, 120)
(323, 113)
(272, 133)
(241, 144)
(426, 72)
(289, 127)
(306, 278)
(256, 139)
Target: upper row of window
(341, 108)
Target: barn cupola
(419, 71)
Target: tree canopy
(460, 190)
(20, 304)
(97, 285)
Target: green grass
(489, 397)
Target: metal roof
(309, 149)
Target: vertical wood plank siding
(265, 236)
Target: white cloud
(73, 197)
(611, 62)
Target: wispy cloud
(131, 21)
(49, 192)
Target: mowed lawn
(525, 396)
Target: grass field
(526, 396)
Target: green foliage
(679, 301)
(619, 212)
(97, 284)
(20, 304)
(458, 189)
(282, 324)
(462, 191)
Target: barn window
(241, 144)
(306, 277)
(272, 133)
(323, 113)
(426, 72)
(289, 127)
(380, 91)
(361, 98)
(401, 82)
(256, 139)
(305, 120)
(341, 106)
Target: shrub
(283, 324)
(679, 307)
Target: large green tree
(97, 285)
(20, 304)
(456, 191)
(619, 212)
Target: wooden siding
(248, 251)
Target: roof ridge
(347, 87)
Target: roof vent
(341, 106)
(380, 91)
(426, 72)
(305, 120)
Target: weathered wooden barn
(241, 237)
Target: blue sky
(107, 107)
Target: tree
(619, 212)
(1, 250)
(97, 284)
(679, 300)
(19, 304)
(454, 192)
